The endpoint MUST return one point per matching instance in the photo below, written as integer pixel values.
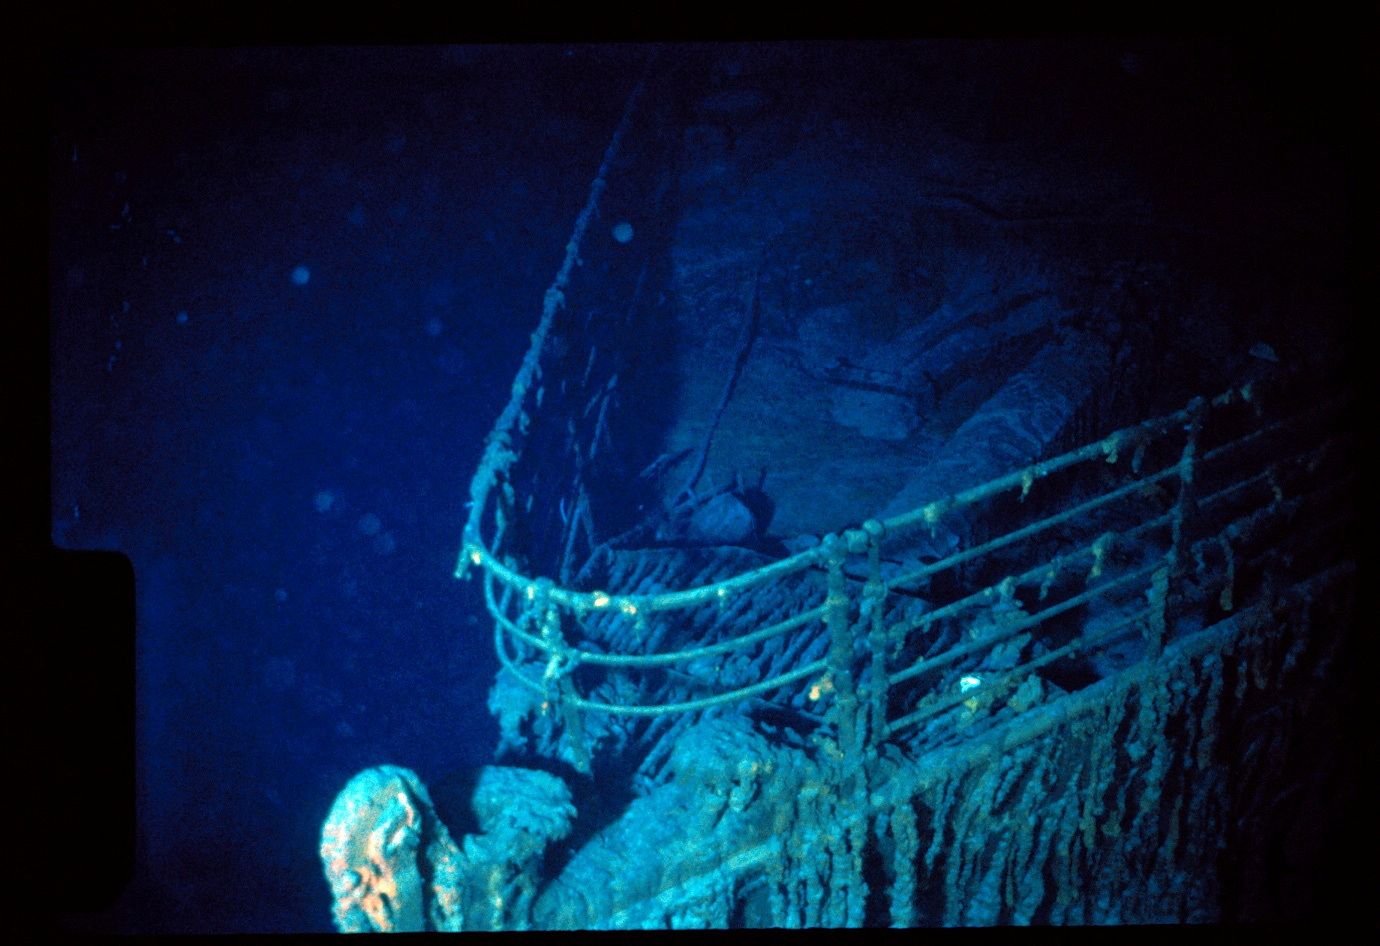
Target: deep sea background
(288, 292)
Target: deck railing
(1117, 574)
(1174, 568)
(1101, 551)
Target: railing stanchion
(560, 692)
(845, 702)
(1166, 579)
(874, 604)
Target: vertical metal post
(836, 607)
(874, 598)
(556, 679)
(1166, 577)
(848, 881)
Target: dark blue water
(290, 290)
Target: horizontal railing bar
(709, 650)
(1293, 543)
(476, 554)
(1025, 532)
(1108, 446)
(780, 680)
(742, 693)
(1015, 627)
(1044, 569)
(1007, 679)
(942, 764)
(1127, 438)
(784, 679)
(1273, 427)
(583, 601)
(1265, 514)
(661, 659)
(1293, 459)
(649, 660)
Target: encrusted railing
(1081, 534)
(1084, 714)
(567, 385)
(537, 614)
